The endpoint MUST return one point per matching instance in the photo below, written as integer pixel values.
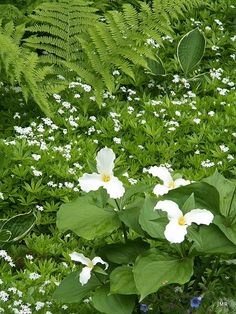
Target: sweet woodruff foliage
(152, 230)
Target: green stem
(231, 202)
(118, 206)
(122, 224)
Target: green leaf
(205, 195)
(110, 304)
(124, 253)
(19, 225)
(5, 235)
(226, 191)
(86, 219)
(71, 291)
(130, 216)
(152, 220)
(210, 239)
(156, 66)
(190, 50)
(224, 224)
(131, 191)
(122, 281)
(189, 204)
(156, 270)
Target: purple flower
(143, 307)
(195, 302)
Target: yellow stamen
(171, 185)
(182, 221)
(90, 264)
(106, 178)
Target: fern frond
(56, 27)
(69, 33)
(22, 67)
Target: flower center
(90, 264)
(171, 185)
(106, 178)
(182, 221)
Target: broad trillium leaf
(86, 219)
(155, 270)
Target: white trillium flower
(104, 178)
(168, 182)
(85, 274)
(176, 229)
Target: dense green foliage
(154, 81)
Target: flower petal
(160, 189)
(105, 161)
(181, 182)
(85, 275)
(114, 187)
(78, 257)
(162, 173)
(98, 259)
(174, 232)
(171, 208)
(90, 182)
(199, 216)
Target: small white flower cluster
(117, 124)
(36, 173)
(207, 163)
(34, 276)
(216, 73)
(224, 148)
(87, 88)
(130, 93)
(4, 296)
(152, 42)
(7, 258)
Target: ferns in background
(21, 66)
(70, 33)
(57, 26)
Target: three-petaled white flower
(85, 274)
(104, 178)
(168, 182)
(176, 229)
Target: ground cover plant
(117, 159)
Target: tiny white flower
(168, 182)
(34, 276)
(176, 229)
(104, 178)
(224, 148)
(36, 157)
(211, 113)
(197, 121)
(89, 265)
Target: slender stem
(117, 204)
(124, 232)
(122, 224)
(231, 201)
